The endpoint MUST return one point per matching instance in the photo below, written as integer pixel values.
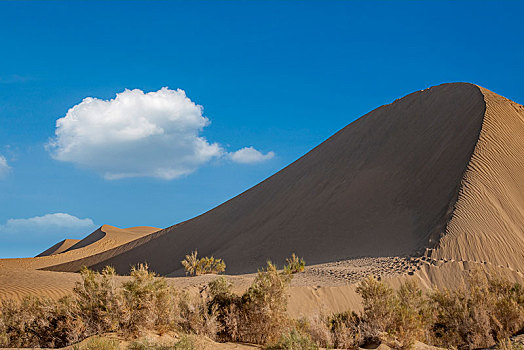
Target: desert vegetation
(195, 266)
(295, 264)
(482, 313)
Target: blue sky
(273, 78)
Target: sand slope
(488, 222)
(104, 238)
(60, 247)
(385, 185)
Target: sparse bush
(295, 264)
(293, 340)
(196, 316)
(39, 322)
(477, 315)
(148, 302)
(379, 302)
(98, 300)
(206, 265)
(346, 330)
(318, 328)
(259, 315)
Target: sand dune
(104, 238)
(385, 185)
(60, 247)
(429, 187)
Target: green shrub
(206, 265)
(293, 340)
(295, 264)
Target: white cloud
(28, 237)
(155, 134)
(4, 167)
(55, 224)
(249, 155)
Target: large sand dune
(429, 187)
(438, 172)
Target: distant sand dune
(60, 247)
(104, 238)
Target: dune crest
(60, 247)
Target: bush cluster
(195, 266)
(477, 315)
(258, 315)
(295, 264)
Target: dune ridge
(104, 238)
(60, 247)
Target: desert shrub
(99, 343)
(197, 316)
(411, 315)
(379, 303)
(257, 316)
(148, 302)
(39, 322)
(293, 340)
(295, 264)
(477, 315)
(195, 266)
(507, 317)
(264, 306)
(318, 328)
(346, 330)
(98, 300)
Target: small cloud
(249, 155)
(4, 167)
(47, 224)
(137, 134)
(19, 237)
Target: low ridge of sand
(430, 187)
(104, 238)
(60, 247)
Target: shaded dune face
(384, 185)
(60, 247)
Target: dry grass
(195, 266)
(479, 314)
(295, 264)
